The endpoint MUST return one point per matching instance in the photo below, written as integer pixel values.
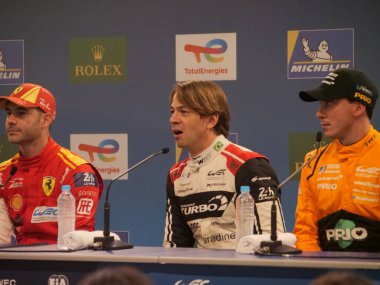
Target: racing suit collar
(47, 150)
(208, 154)
(354, 150)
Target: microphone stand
(274, 246)
(12, 172)
(108, 242)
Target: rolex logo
(89, 63)
(98, 52)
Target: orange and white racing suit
(338, 198)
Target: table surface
(160, 255)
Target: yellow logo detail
(16, 202)
(31, 95)
(98, 52)
(48, 183)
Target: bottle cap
(244, 189)
(66, 188)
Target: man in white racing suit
(201, 190)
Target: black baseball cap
(347, 83)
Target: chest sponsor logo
(87, 193)
(216, 184)
(345, 232)
(16, 202)
(16, 183)
(85, 179)
(327, 186)
(44, 214)
(202, 160)
(265, 194)
(85, 206)
(367, 184)
(219, 172)
(329, 168)
(67, 170)
(323, 178)
(267, 178)
(368, 170)
(48, 183)
(216, 203)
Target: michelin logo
(312, 54)
(11, 62)
(7, 74)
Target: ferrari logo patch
(48, 183)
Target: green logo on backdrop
(300, 144)
(98, 59)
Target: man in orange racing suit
(32, 179)
(338, 201)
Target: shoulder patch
(236, 156)
(241, 153)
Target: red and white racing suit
(201, 195)
(339, 198)
(31, 193)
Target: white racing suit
(201, 195)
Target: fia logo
(58, 280)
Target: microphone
(13, 172)
(274, 246)
(108, 242)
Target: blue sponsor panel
(69, 273)
(11, 62)
(315, 53)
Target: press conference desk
(181, 266)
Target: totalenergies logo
(103, 150)
(215, 46)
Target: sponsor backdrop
(112, 64)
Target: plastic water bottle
(245, 215)
(66, 214)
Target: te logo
(208, 50)
(108, 146)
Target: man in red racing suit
(32, 183)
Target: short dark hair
(368, 109)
